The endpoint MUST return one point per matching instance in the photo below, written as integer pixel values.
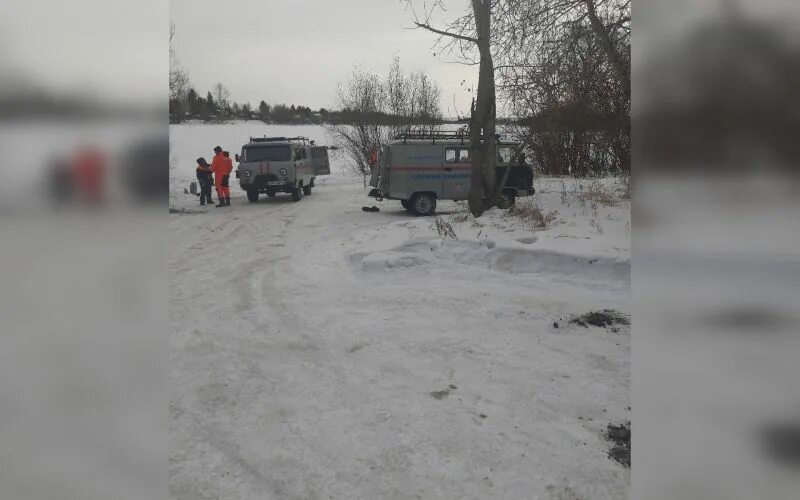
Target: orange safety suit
(373, 157)
(228, 165)
(88, 173)
(222, 168)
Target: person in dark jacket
(203, 172)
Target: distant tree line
(412, 97)
(217, 106)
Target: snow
(318, 350)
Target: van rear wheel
(307, 190)
(422, 204)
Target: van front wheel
(508, 199)
(423, 204)
(252, 195)
(405, 204)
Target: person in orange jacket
(88, 171)
(222, 168)
(373, 157)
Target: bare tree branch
(446, 33)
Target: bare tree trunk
(482, 124)
(608, 46)
(475, 195)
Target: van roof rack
(267, 139)
(279, 139)
(433, 135)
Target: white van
(274, 165)
(419, 169)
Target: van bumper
(266, 183)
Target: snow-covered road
(319, 351)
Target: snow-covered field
(319, 351)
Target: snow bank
(441, 255)
(585, 242)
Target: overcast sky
(289, 51)
(295, 52)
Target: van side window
(504, 155)
(450, 155)
(463, 155)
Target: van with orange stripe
(419, 169)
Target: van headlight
(283, 171)
(247, 173)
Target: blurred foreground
(83, 284)
(83, 399)
(716, 267)
(84, 307)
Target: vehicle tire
(297, 193)
(510, 199)
(307, 190)
(252, 195)
(271, 194)
(423, 204)
(405, 204)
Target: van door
(304, 168)
(384, 168)
(416, 168)
(457, 167)
(319, 158)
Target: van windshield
(268, 153)
(504, 154)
